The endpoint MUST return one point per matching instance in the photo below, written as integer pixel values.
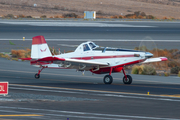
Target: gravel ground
(34, 97)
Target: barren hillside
(158, 8)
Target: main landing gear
(37, 75)
(108, 79)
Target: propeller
(150, 48)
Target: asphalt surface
(63, 94)
(124, 34)
(67, 94)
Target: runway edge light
(23, 38)
(4, 88)
(148, 92)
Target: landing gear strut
(37, 75)
(127, 79)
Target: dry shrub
(140, 17)
(130, 16)
(148, 70)
(137, 13)
(114, 17)
(21, 16)
(14, 53)
(6, 56)
(51, 17)
(100, 16)
(120, 16)
(179, 74)
(1, 54)
(29, 16)
(56, 16)
(57, 7)
(135, 69)
(150, 17)
(70, 15)
(175, 70)
(173, 64)
(143, 69)
(80, 16)
(21, 53)
(99, 12)
(166, 74)
(165, 18)
(43, 16)
(9, 16)
(143, 14)
(16, 59)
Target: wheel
(128, 80)
(37, 76)
(108, 79)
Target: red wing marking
(163, 59)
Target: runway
(69, 95)
(121, 34)
(62, 94)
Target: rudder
(39, 48)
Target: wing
(55, 62)
(158, 59)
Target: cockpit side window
(86, 47)
(92, 45)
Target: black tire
(128, 81)
(108, 79)
(37, 76)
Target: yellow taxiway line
(22, 115)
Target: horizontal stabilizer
(155, 59)
(51, 59)
(25, 58)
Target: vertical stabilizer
(39, 48)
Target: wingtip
(163, 59)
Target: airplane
(89, 57)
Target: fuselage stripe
(101, 57)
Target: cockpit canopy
(87, 46)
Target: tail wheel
(128, 80)
(37, 76)
(108, 79)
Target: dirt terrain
(158, 8)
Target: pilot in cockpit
(85, 47)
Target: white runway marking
(79, 114)
(72, 24)
(106, 40)
(91, 92)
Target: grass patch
(11, 43)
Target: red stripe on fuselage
(101, 57)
